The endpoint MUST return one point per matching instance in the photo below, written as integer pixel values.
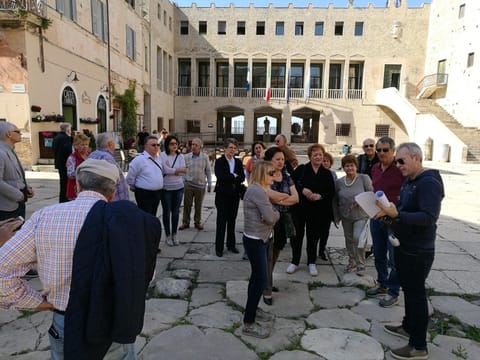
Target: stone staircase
(469, 135)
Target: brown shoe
(183, 227)
(199, 226)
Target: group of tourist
(93, 225)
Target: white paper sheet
(367, 201)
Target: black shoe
(274, 289)
(219, 253)
(234, 250)
(268, 301)
(31, 274)
(368, 254)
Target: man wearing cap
(70, 243)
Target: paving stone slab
(370, 310)
(10, 343)
(189, 342)
(218, 315)
(295, 354)
(440, 282)
(464, 311)
(448, 247)
(218, 271)
(173, 287)
(363, 279)
(458, 262)
(333, 297)
(184, 274)
(335, 344)
(466, 280)
(388, 340)
(473, 248)
(283, 333)
(7, 316)
(205, 294)
(160, 314)
(461, 346)
(35, 355)
(326, 274)
(338, 319)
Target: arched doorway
(102, 114)
(304, 126)
(230, 123)
(267, 124)
(69, 107)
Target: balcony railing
(34, 6)
(275, 93)
(432, 80)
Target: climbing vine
(129, 112)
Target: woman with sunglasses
(259, 218)
(174, 168)
(282, 194)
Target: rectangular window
(470, 59)
(299, 28)
(165, 17)
(359, 28)
(130, 43)
(342, 129)
(222, 28)
(202, 27)
(296, 76)
(382, 130)
(170, 23)
(204, 74)
(279, 28)
(193, 126)
(316, 76)
(131, 3)
(99, 23)
(184, 73)
(335, 77)
(259, 75)
(278, 76)
(67, 8)
(260, 27)
(319, 28)
(222, 78)
(391, 76)
(159, 68)
(146, 58)
(461, 11)
(240, 27)
(339, 28)
(355, 76)
(159, 12)
(170, 74)
(240, 78)
(183, 27)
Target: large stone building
(328, 75)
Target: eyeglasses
(400, 162)
(382, 149)
(369, 146)
(154, 144)
(172, 143)
(271, 172)
(17, 131)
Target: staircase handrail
(438, 79)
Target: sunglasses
(400, 162)
(154, 144)
(173, 143)
(384, 150)
(17, 131)
(271, 172)
(369, 146)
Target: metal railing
(34, 6)
(438, 79)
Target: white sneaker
(169, 241)
(174, 240)
(313, 269)
(291, 268)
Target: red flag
(267, 95)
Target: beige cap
(100, 167)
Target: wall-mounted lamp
(72, 76)
(104, 88)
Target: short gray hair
(5, 127)
(387, 140)
(412, 148)
(65, 126)
(103, 139)
(229, 141)
(91, 181)
(198, 140)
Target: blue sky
(297, 3)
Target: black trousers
(62, 197)
(20, 211)
(227, 210)
(148, 200)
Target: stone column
(249, 127)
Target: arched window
(69, 107)
(102, 114)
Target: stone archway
(305, 125)
(267, 124)
(230, 123)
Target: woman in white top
(173, 164)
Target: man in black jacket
(62, 148)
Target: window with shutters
(130, 45)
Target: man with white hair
(95, 259)
(14, 190)
(105, 150)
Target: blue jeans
(257, 252)
(171, 201)
(413, 269)
(115, 352)
(382, 247)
